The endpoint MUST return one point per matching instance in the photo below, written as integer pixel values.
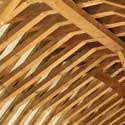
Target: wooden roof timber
(11, 59)
(90, 26)
(109, 81)
(99, 112)
(13, 112)
(78, 54)
(7, 10)
(85, 22)
(116, 115)
(95, 2)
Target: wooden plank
(119, 120)
(83, 105)
(112, 103)
(96, 2)
(85, 17)
(8, 9)
(75, 59)
(72, 116)
(31, 42)
(86, 23)
(25, 28)
(113, 108)
(114, 116)
(112, 99)
(51, 64)
(16, 106)
(122, 58)
(111, 82)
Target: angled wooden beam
(109, 13)
(17, 106)
(122, 58)
(90, 3)
(85, 115)
(10, 9)
(111, 82)
(115, 3)
(119, 120)
(95, 107)
(84, 19)
(83, 105)
(113, 111)
(115, 24)
(96, 2)
(31, 42)
(114, 116)
(46, 51)
(22, 7)
(105, 109)
(71, 53)
(7, 10)
(86, 23)
(72, 116)
(57, 60)
(21, 31)
(89, 66)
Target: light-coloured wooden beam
(11, 9)
(22, 7)
(109, 13)
(90, 3)
(87, 101)
(51, 64)
(118, 120)
(122, 58)
(21, 31)
(86, 23)
(84, 20)
(48, 51)
(96, 2)
(31, 42)
(68, 59)
(114, 116)
(17, 106)
(72, 115)
(113, 111)
(7, 10)
(88, 68)
(84, 118)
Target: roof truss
(62, 66)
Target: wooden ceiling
(62, 62)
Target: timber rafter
(62, 62)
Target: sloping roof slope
(62, 62)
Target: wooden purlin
(96, 2)
(109, 81)
(59, 79)
(5, 63)
(85, 119)
(116, 115)
(109, 10)
(87, 104)
(86, 23)
(7, 10)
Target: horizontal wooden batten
(62, 62)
